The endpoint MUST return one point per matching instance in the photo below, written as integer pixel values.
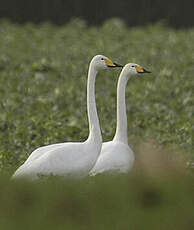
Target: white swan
(73, 158)
(116, 156)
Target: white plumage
(74, 158)
(116, 156)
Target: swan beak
(111, 64)
(141, 70)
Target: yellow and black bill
(112, 64)
(140, 69)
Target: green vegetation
(43, 73)
(122, 202)
(43, 84)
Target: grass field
(43, 73)
(124, 202)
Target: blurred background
(176, 13)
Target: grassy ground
(43, 85)
(43, 100)
(125, 202)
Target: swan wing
(41, 150)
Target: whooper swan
(72, 158)
(116, 156)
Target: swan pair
(78, 159)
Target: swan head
(102, 62)
(134, 69)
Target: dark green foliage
(43, 73)
(123, 202)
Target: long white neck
(94, 126)
(121, 129)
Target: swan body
(58, 161)
(74, 158)
(116, 156)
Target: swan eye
(132, 66)
(102, 59)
